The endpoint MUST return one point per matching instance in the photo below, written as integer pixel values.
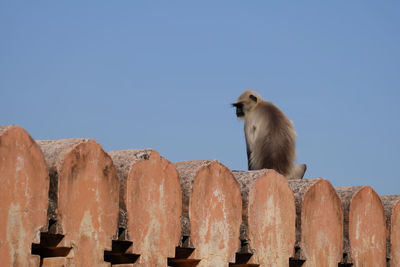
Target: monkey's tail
(297, 172)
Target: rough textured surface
(346, 193)
(366, 221)
(87, 197)
(123, 161)
(246, 181)
(268, 217)
(187, 173)
(153, 203)
(322, 225)
(3, 128)
(392, 212)
(24, 185)
(299, 188)
(54, 151)
(319, 230)
(214, 210)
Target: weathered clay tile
(319, 225)
(269, 215)
(365, 226)
(391, 204)
(24, 185)
(84, 198)
(150, 204)
(212, 209)
(64, 203)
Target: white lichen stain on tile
(152, 240)
(358, 228)
(274, 255)
(150, 256)
(88, 236)
(215, 251)
(214, 235)
(86, 228)
(16, 236)
(19, 164)
(161, 190)
(325, 252)
(220, 199)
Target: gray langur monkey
(270, 136)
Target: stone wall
(70, 203)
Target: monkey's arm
(249, 166)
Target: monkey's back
(270, 139)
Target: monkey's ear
(254, 98)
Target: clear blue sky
(161, 74)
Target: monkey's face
(239, 109)
(246, 102)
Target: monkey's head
(246, 102)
